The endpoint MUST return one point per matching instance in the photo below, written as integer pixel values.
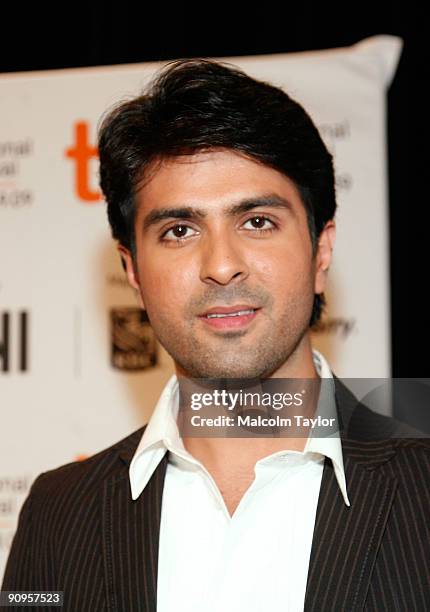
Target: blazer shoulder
(87, 472)
(359, 422)
(59, 503)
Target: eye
(260, 223)
(177, 232)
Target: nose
(222, 260)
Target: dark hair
(200, 104)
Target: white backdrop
(64, 392)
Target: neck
(300, 364)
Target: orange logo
(81, 457)
(82, 152)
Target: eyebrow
(272, 200)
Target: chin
(219, 370)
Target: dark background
(78, 34)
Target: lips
(226, 311)
(229, 318)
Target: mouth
(229, 317)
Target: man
(221, 196)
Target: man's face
(219, 232)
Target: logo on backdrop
(133, 345)
(83, 154)
(335, 133)
(340, 326)
(13, 490)
(14, 351)
(13, 154)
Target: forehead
(212, 180)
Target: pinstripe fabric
(80, 532)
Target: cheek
(165, 284)
(286, 269)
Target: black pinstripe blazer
(80, 532)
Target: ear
(324, 252)
(132, 277)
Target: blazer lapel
(346, 539)
(130, 538)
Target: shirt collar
(329, 446)
(162, 434)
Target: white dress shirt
(255, 560)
